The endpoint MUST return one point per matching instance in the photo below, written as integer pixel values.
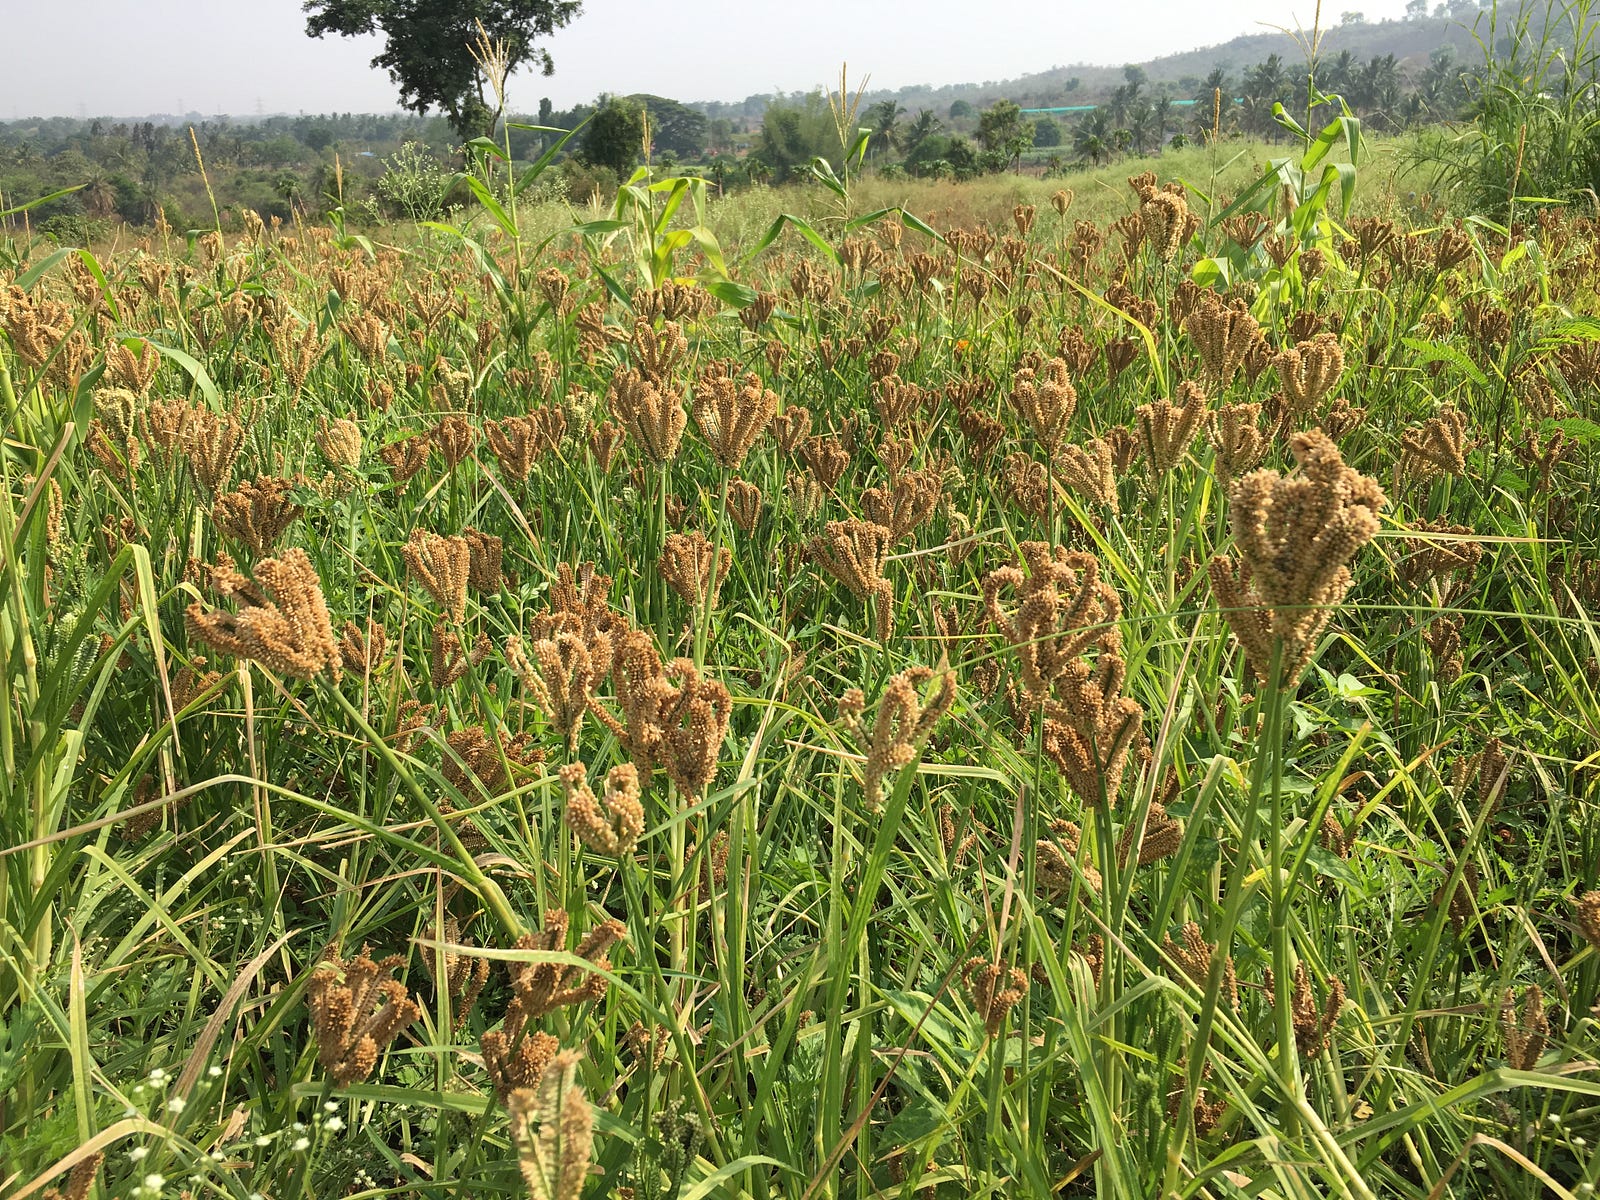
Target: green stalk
(486, 887)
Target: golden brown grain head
(654, 418)
(791, 427)
(361, 651)
(1586, 914)
(827, 458)
(1296, 536)
(1224, 336)
(612, 827)
(1313, 1026)
(1440, 446)
(1046, 401)
(904, 503)
(257, 514)
(1238, 442)
(484, 553)
(455, 437)
(854, 552)
(1165, 217)
(211, 444)
(1159, 838)
(1167, 429)
(1061, 859)
(517, 444)
(744, 505)
(994, 991)
(1526, 1031)
(339, 441)
(693, 568)
(357, 1009)
(902, 725)
(731, 414)
(407, 456)
(442, 565)
(283, 622)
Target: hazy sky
(130, 57)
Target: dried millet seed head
(614, 827)
(356, 1010)
(290, 633)
(257, 514)
(693, 568)
(994, 991)
(340, 442)
(1525, 1032)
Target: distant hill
(1410, 41)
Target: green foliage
(674, 128)
(999, 125)
(426, 45)
(795, 132)
(1535, 108)
(614, 137)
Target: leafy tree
(999, 124)
(960, 109)
(1416, 10)
(674, 128)
(426, 45)
(792, 134)
(614, 136)
(1046, 133)
(719, 134)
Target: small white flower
(1579, 1142)
(175, 1104)
(330, 1106)
(138, 1152)
(263, 1139)
(154, 1183)
(157, 1075)
(214, 1071)
(335, 1123)
(302, 1143)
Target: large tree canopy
(426, 45)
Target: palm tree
(1092, 137)
(925, 126)
(1141, 123)
(1265, 84)
(884, 118)
(1338, 73)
